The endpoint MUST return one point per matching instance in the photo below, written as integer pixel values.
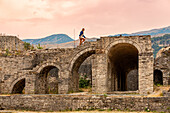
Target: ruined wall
(13, 68)
(162, 64)
(68, 61)
(145, 61)
(11, 43)
(90, 102)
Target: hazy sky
(40, 18)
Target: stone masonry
(80, 102)
(162, 66)
(11, 43)
(113, 62)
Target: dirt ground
(70, 112)
(158, 91)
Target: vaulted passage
(19, 87)
(75, 75)
(47, 81)
(123, 68)
(158, 77)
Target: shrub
(147, 109)
(39, 47)
(105, 95)
(83, 83)
(27, 46)
(7, 53)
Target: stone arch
(124, 41)
(158, 77)
(47, 79)
(78, 55)
(45, 64)
(16, 83)
(75, 65)
(123, 58)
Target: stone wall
(13, 69)
(30, 66)
(11, 43)
(162, 64)
(89, 102)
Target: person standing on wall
(81, 36)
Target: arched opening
(77, 72)
(158, 77)
(47, 81)
(123, 67)
(19, 87)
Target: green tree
(27, 46)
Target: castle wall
(30, 64)
(162, 64)
(90, 102)
(11, 43)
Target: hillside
(52, 39)
(160, 42)
(152, 32)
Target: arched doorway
(158, 77)
(18, 88)
(75, 72)
(123, 67)
(47, 80)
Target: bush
(27, 46)
(83, 83)
(39, 47)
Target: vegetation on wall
(39, 47)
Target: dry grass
(158, 91)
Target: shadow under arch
(18, 86)
(158, 77)
(47, 80)
(75, 65)
(123, 66)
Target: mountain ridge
(152, 32)
(52, 39)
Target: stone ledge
(82, 102)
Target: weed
(161, 94)
(147, 109)
(71, 92)
(109, 109)
(91, 109)
(101, 110)
(39, 47)
(105, 95)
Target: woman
(81, 36)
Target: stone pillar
(30, 84)
(146, 73)
(63, 86)
(99, 73)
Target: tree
(27, 46)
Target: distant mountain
(152, 32)
(52, 39)
(69, 44)
(160, 39)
